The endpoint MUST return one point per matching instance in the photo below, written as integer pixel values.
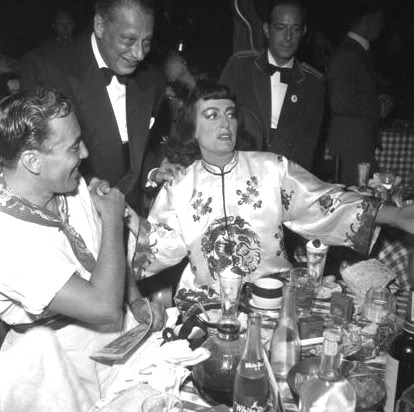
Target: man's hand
(401, 217)
(109, 202)
(405, 219)
(141, 312)
(167, 172)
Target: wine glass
(387, 177)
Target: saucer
(254, 306)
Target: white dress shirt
(116, 92)
(278, 90)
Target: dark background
(205, 24)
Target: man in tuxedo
(115, 93)
(280, 100)
(355, 105)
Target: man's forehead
(65, 128)
(131, 12)
(285, 12)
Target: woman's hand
(141, 311)
(167, 172)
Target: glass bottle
(399, 372)
(214, 378)
(329, 390)
(285, 342)
(251, 385)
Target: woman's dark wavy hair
(182, 147)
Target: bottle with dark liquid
(251, 385)
(214, 378)
(399, 373)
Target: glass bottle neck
(288, 306)
(331, 359)
(253, 348)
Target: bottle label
(254, 366)
(256, 406)
(330, 348)
(391, 376)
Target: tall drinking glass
(304, 282)
(230, 288)
(363, 175)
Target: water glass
(316, 253)
(378, 303)
(387, 179)
(305, 283)
(230, 288)
(363, 175)
(163, 402)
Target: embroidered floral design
(329, 202)
(248, 197)
(361, 231)
(144, 252)
(201, 207)
(279, 236)
(286, 198)
(231, 244)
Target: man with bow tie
(280, 100)
(116, 95)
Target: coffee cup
(267, 293)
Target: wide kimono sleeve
(315, 209)
(159, 243)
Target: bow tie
(285, 73)
(109, 74)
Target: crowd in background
(201, 31)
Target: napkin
(161, 366)
(37, 376)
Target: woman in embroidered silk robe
(229, 208)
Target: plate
(253, 305)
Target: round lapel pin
(294, 98)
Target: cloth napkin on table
(35, 375)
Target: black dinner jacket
(74, 70)
(301, 115)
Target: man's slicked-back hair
(278, 3)
(107, 8)
(24, 122)
(358, 9)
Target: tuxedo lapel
(96, 116)
(292, 103)
(261, 87)
(139, 103)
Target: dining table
(127, 393)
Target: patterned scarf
(25, 210)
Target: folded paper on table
(122, 346)
(149, 361)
